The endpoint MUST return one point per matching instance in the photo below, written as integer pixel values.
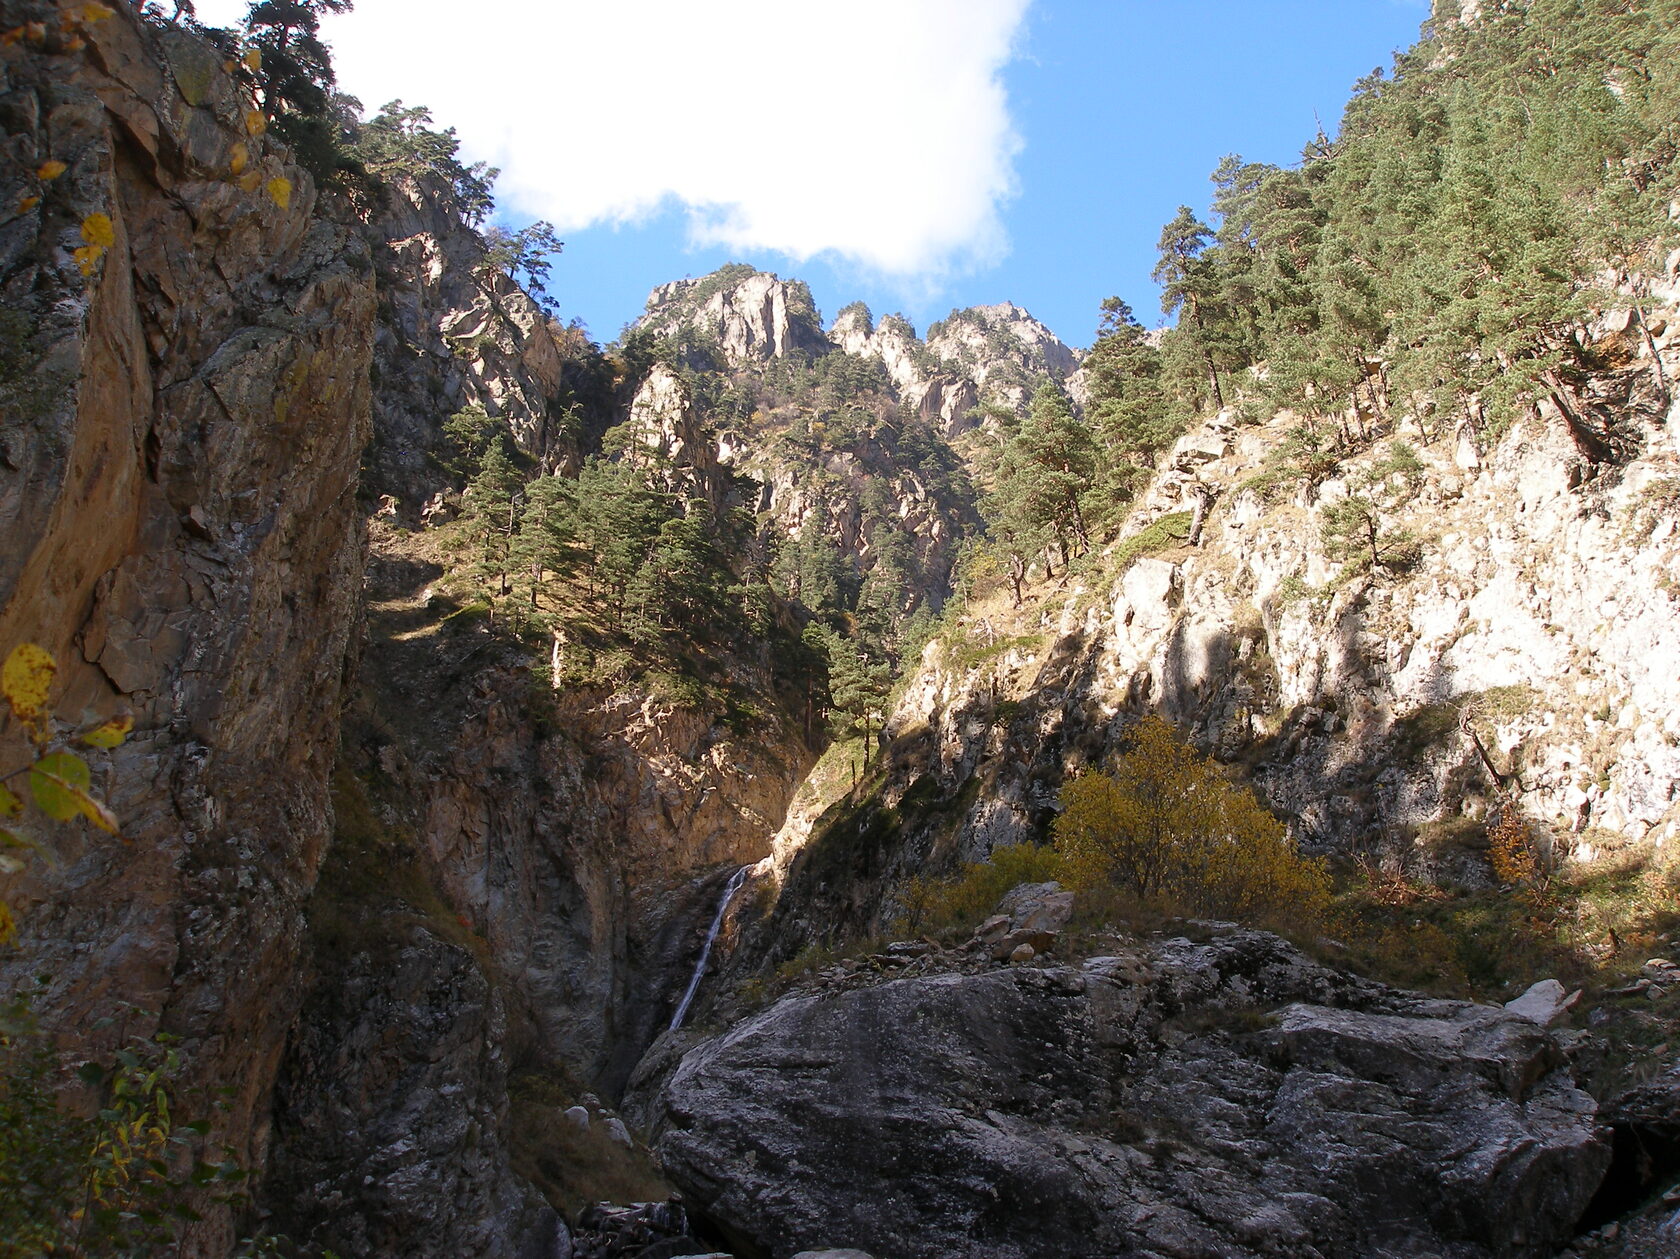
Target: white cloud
(876, 130)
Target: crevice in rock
(1644, 1158)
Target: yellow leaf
(255, 123)
(96, 13)
(281, 191)
(110, 734)
(87, 257)
(251, 181)
(96, 812)
(253, 60)
(28, 204)
(50, 169)
(25, 678)
(75, 44)
(237, 157)
(97, 230)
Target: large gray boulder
(1229, 1098)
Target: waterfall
(735, 881)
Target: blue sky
(918, 155)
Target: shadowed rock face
(1231, 1099)
(178, 526)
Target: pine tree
(493, 503)
(1187, 289)
(1127, 407)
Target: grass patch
(571, 1166)
(952, 907)
(966, 653)
(1421, 731)
(1165, 533)
(1506, 703)
(373, 886)
(1585, 928)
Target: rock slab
(1228, 1098)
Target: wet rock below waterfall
(1230, 1098)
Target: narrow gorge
(774, 785)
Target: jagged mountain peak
(753, 315)
(1002, 331)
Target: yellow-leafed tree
(1168, 826)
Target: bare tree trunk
(1204, 497)
(1651, 349)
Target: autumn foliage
(1168, 827)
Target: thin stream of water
(735, 882)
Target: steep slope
(180, 531)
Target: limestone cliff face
(992, 355)
(178, 526)
(455, 331)
(1539, 616)
(751, 315)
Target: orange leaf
(28, 204)
(238, 156)
(50, 169)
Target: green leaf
(10, 805)
(58, 781)
(91, 1073)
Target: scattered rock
(617, 1132)
(1544, 1002)
(657, 1230)
(578, 1117)
(1037, 907)
(1037, 941)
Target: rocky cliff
(181, 530)
(418, 954)
(1525, 651)
(455, 331)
